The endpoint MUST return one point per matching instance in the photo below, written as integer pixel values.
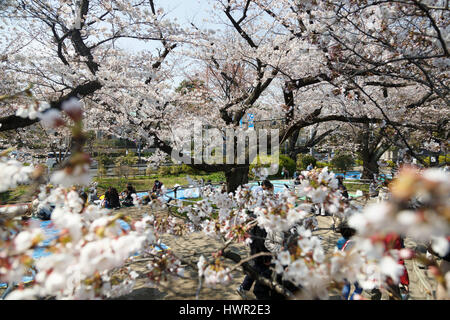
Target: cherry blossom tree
(308, 62)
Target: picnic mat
(52, 233)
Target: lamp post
(139, 156)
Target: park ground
(191, 246)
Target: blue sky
(185, 11)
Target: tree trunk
(236, 177)
(292, 152)
(370, 166)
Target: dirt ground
(191, 246)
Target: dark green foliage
(303, 161)
(342, 162)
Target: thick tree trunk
(370, 167)
(236, 177)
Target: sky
(185, 11)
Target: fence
(136, 170)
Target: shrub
(164, 170)
(288, 163)
(104, 160)
(216, 177)
(149, 171)
(303, 161)
(266, 161)
(259, 162)
(390, 163)
(124, 171)
(128, 159)
(320, 164)
(342, 162)
(188, 169)
(175, 170)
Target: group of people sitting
(154, 193)
(113, 200)
(128, 196)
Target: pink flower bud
(406, 253)
(52, 118)
(73, 109)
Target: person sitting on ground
(44, 211)
(130, 188)
(267, 186)
(444, 266)
(147, 198)
(92, 196)
(112, 200)
(394, 241)
(128, 199)
(299, 179)
(309, 167)
(342, 187)
(84, 196)
(157, 187)
(209, 186)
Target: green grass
(353, 187)
(146, 183)
(13, 195)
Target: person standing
(394, 241)
(373, 192)
(444, 266)
(383, 194)
(345, 243)
(260, 264)
(286, 173)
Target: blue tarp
(351, 175)
(279, 186)
(52, 233)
